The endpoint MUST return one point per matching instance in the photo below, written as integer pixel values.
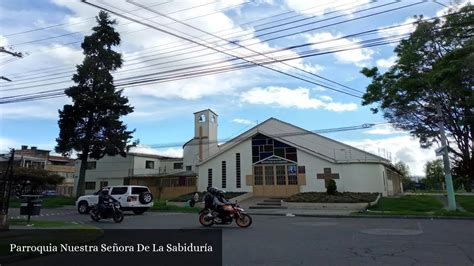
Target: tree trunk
(80, 190)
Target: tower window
(202, 118)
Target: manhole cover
(391, 231)
(315, 223)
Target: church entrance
(275, 180)
(274, 168)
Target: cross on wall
(327, 175)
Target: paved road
(273, 240)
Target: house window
(178, 166)
(90, 185)
(91, 165)
(209, 177)
(237, 170)
(150, 165)
(224, 174)
(189, 168)
(103, 184)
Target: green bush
(332, 187)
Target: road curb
(366, 216)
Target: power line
(274, 51)
(307, 55)
(172, 43)
(242, 46)
(361, 10)
(79, 32)
(60, 92)
(287, 134)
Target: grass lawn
(421, 203)
(48, 202)
(467, 202)
(323, 197)
(161, 206)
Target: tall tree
(91, 125)
(434, 69)
(434, 173)
(405, 172)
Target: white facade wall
(112, 169)
(353, 177)
(169, 165)
(245, 150)
(191, 155)
(363, 178)
(314, 165)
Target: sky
(313, 92)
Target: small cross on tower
(327, 175)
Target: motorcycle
(208, 217)
(113, 212)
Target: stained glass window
(264, 147)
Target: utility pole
(447, 167)
(16, 54)
(3, 50)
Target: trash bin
(30, 206)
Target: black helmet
(212, 190)
(104, 192)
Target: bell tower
(205, 132)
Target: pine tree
(91, 125)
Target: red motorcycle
(208, 217)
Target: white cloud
(386, 62)
(324, 40)
(6, 144)
(404, 148)
(384, 129)
(405, 29)
(171, 152)
(244, 121)
(3, 41)
(323, 6)
(299, 98)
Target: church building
(278, 159)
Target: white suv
(132, 198)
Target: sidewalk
(291, 212)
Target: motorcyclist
(220, 202)
(104, 200)
(209, 198)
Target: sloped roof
(315, 144)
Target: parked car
(132, 198)
(49, 193)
